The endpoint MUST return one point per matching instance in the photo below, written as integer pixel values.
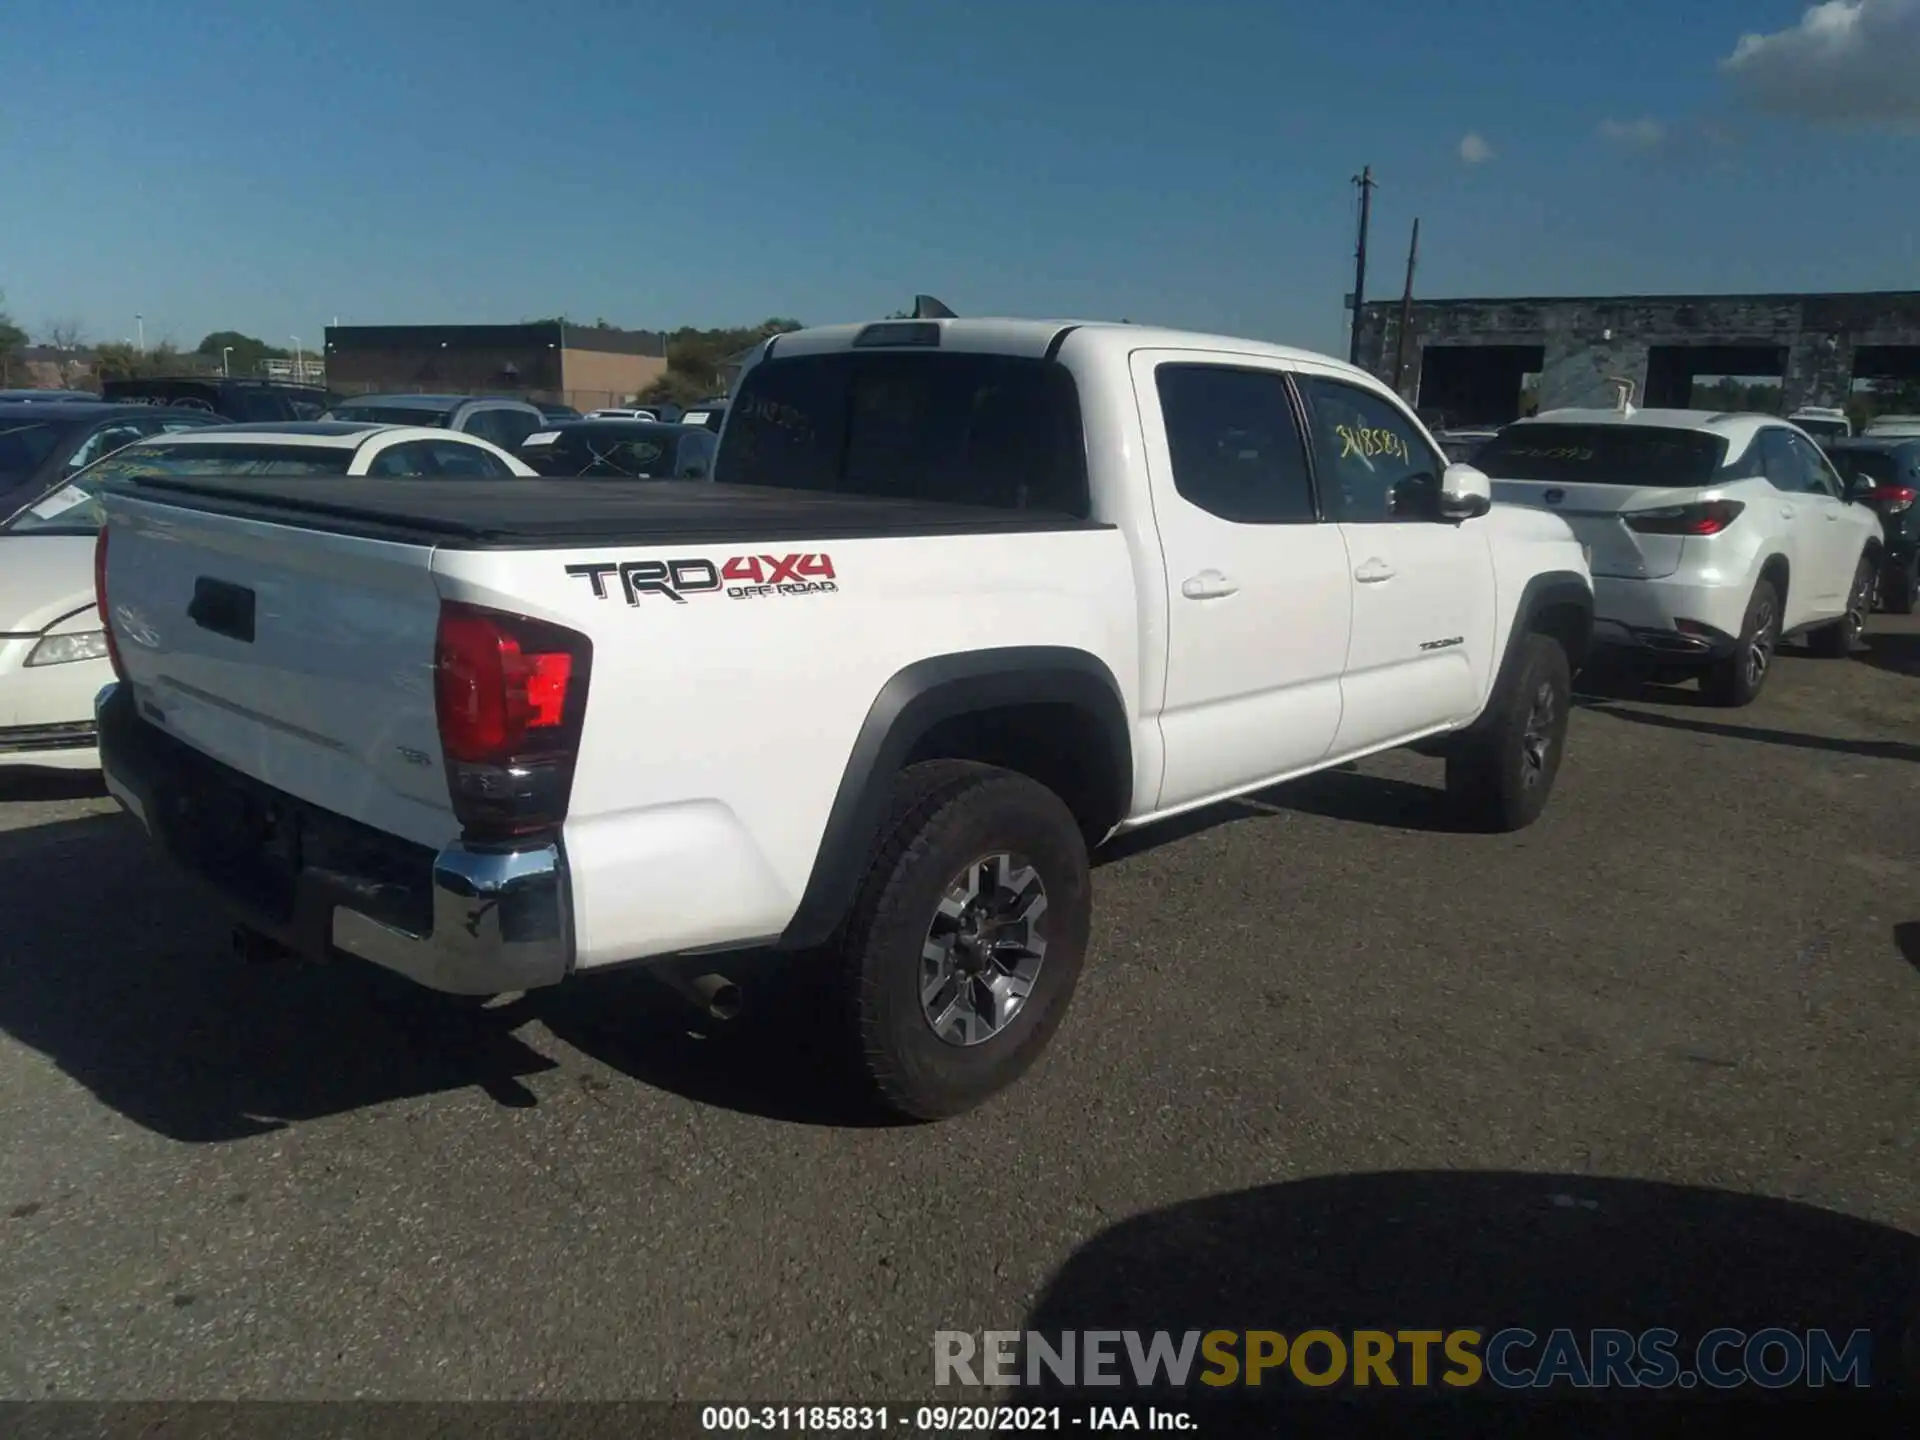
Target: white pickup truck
(964, 599)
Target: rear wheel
(1837, 641)
(1737, 679)
(967, 937)
(1902, 588)
(1500, 778)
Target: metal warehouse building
(1467, 359)
(577, 365)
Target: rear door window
(1650, 455)
(966, 429)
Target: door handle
(1373, 572)
(1208, 585)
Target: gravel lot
(1329, 1064)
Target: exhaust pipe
(713, 995)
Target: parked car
(1823, 422)
(1883, 472)
(624, 412)
(244, 401)
(53, 652)
(40, 441)
(1713, 536)
(498, 421)
(969, 597)
(1461, 445)
(1902, 426)
(622, 449)
(556, 412)
(709, 413)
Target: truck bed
(529, 514)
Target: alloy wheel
(1760, 648)
(984, 949)
(1536, 738)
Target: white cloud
(1474, 148)
(1643, 134)
(1847, 61)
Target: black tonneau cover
(544, 514)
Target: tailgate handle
(222, 608)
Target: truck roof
(1008, 336)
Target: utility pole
(1406, 311)
(1365, 181)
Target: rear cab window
(1646, 455)
(951, 427)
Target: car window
(952, 427)
(694, 460)
(1235, 443)
(1374, 464)
(469, 461)
(1781, 467)
(1815, 478)
(484, 423)
(104, 441)
(72, 506)
(513, 426)
(391, 414)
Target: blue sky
(219, 165)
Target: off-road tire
(1837, 641)
(1499, 776)
(1732, 680)
(943, 816)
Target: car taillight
(1891, 498)
(510, 695)
(1709, 517)
(100, 599)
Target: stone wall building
(1465, 359)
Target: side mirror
(1465, 493)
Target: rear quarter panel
(718, 728)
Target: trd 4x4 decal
(741, 577)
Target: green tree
(695, 358)
(12, 340)
(120, 361)
(247, 354)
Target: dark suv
(237, 400)
(1884, 472)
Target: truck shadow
(1343, 793)
(1453, 1250)
(119, 971)
(1897, 651)
(1906, 939)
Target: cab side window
(1815, 478)
(1374, 464)
(1235, 444)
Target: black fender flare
(1548, 588)
(909, 705)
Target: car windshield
(25, 444)
(1654, 455)
(957, 428)
(73, 508)
(393, 414)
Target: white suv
(1711, 536)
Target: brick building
(575, 365)
(1468, 358)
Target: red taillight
(100, 599)
(1892, 498)
(510, 694)
(1709, 517)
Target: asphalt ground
(1655, 1060)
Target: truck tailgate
(299, 657)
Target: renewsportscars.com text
(1511, 1359)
